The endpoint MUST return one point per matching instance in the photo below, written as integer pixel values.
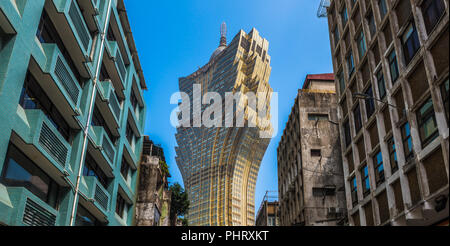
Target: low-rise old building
(153, 200)
(269, 211)
(310, 175)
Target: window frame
(423, 118)
(365, 180)
(393, 66)
(378, 163)
(410, 42)
(357, 119)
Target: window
(383, 8)
(324, 191)
(357, 118)
(354, 191)
(350, 64)
(20, 171)
(121, 206)
(410, 42)
(124, 168)
(84, 218)
(445, 98)
(365, 180)
(133, 100)
(427, 123)
(341, 83)
(344, 17)
(379, 168)
(407, 142)
(47, 33)
(336, 35)
(370, 103)
(316, 153)
(129, 133)
(381, 84)
(98, 120)
(34, 97)
(318, 117)
(361, 44)
(392, 155)
(372, 25)
(348, 137)
(91, 169)
(393, 66)
(110, 35)
(432, 11)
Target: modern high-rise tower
(220, 165)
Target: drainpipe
(88, 122)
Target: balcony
(27, 209)
(41, 142)
(102, 149)
(73, 30)
(57, 79)
(109, 104)
(115, 66)
(96, 197)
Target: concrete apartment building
(391, 63)
(154, 196)
(72, 113)
(310, 175)
(269, 211)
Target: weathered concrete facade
(395, 143)
(153, 200)
(311, 184)
(269, 211)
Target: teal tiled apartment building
(72, 113)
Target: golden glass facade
(219, 165)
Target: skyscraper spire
(223, 34)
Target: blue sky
(174, 38)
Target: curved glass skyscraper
(220, 165)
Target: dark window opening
(316, 153)
(85, 218)
(124, 168)
(432, 11)
(348, 137)
(318, 117)
(407, 142)
(427, 123)
(365, 180)
(357, 118)
(370, 103)
(91, 169)
(98, 120)
(20, 171)
(381, 84)
(410, 43)
(379, 168)
(445, 98)
(121, 206)
(393, 155)
(34, 97)
(47, 33)
(354, 191)
(393, 66)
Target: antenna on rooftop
(223, 34)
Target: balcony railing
(29, 210)
(67, 88)
(107, 93)
(101, 140)
(96, 193)
(46, 138)
(76, 21)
